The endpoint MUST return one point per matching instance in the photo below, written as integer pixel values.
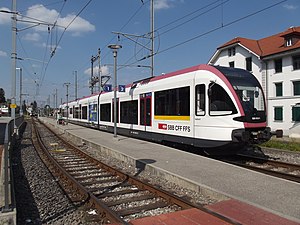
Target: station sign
(122, 88)
(107, 88)
(13, 106)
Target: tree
(34, 107)
(24, 107)
(2, 96)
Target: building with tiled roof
(275, 61)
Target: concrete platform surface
(272, 194)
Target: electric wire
(212, 30)
(40, 6)
(205, 33)
(114, 37)
(193, 18)
(187, 15)
(57, 44)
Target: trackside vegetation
(292, 144)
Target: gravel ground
(39, 198)
(286, 156)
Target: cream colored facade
(283, 107)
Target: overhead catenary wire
(114, 37)
(58, 42)
(190, 14)
(39, 6)
(217, 28)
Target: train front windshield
(249, 92)
(251, 98)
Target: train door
(145, 110)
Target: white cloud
(32, 37)
(78, 26)
(162, 4)
(104, 70)
(166, 4)
(290, 7)
(5, 18)
(3, 54)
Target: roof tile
(267, 46)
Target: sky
(56, 39)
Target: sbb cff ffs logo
(164, 126)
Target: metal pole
(21, 110)
(92, 73)
(152, 38)
(76, 84)
(115, 52)
(115, 93)
(99, 74)
(68, 103)
(67, 84)
(55, 98)
(13, 60)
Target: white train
(203, 106)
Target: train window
(129, 112)
(105, 112)
(84, 112)
(200, 100)
(65, 112)
(220, 103)
(76, 112)
(71, 111)
(173, 102)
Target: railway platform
(248, 197)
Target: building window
(278, 87)
(296, 87)
(278, 113)
(249, 63)
(289, 42)
(296, 62)
(296, 113)
(231, 51)
(231, 64)
(278, 65)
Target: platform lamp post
(115, 48)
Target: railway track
(114, 196)
(288, 171)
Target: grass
(290, 145)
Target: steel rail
(170, 198)
(269, 171)
(104, 211)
